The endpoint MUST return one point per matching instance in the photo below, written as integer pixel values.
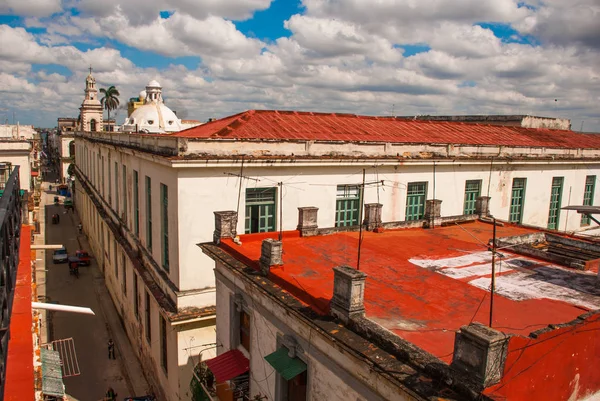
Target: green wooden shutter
(415, 200)
(472, 192)
(555, 203)
(517, 200)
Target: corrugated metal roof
(294, 125)
(52, 383)
(228, 365)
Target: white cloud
(141, 12)
(30, 8)
(565, 23)
(342, 55)
(328, 37)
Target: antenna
(360, 218)
(240, 176)
(490, 177)
(432, 221)
(493, 287)
(280, 184)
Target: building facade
(146, 201)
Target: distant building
(91, 108)
(145, 201)
(67, 124)
(153, 117)
(524, 121)
(298, 318)
(17, 131)
(136, 102)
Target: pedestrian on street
(111, 349)
(111, 395)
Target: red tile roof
(417, 303)
(19, 366)
(294, 125)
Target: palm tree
(110, 101)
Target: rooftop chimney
(372, 215)
(482, 206)
(270, 255)
(433, 212)
(480, 351)
(225, 225)
(307, 221)
(348, 293)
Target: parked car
(84, 258)
(60, 256)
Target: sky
(215, 58)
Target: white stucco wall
(203, 191)
(18, 154)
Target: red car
(84, 258)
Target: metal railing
(10, 234)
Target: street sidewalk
(124, 352)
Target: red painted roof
(19, 366)
(294, 125)
(417, 303)
(228, 365)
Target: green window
(125, 194)
(136, 203)
(555, 201)
(415, 200)
(148, 319)
(136, 302)
(347, 205)
(163, 344)
(588, 197)
(260, 210)
(117, 188)
(109, 181)
(472, 192)
(517, 200)
(164, 224)
(149, 213)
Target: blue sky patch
(267, 25)
(51, 69)
(411, 50)
(165, 14)
(146, 59)
(508, 34)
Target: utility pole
(493, 286)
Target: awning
(228, 365)
(287, 367)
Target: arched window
(72, 148)
(93, 125)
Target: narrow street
(90, 333)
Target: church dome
(142, 95)
(153, 84)
(154, 118)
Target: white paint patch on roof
(473, 270)
(458, 261)
(521, 286)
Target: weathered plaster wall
(332, 374)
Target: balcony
(10, 230)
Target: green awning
(287, 367)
